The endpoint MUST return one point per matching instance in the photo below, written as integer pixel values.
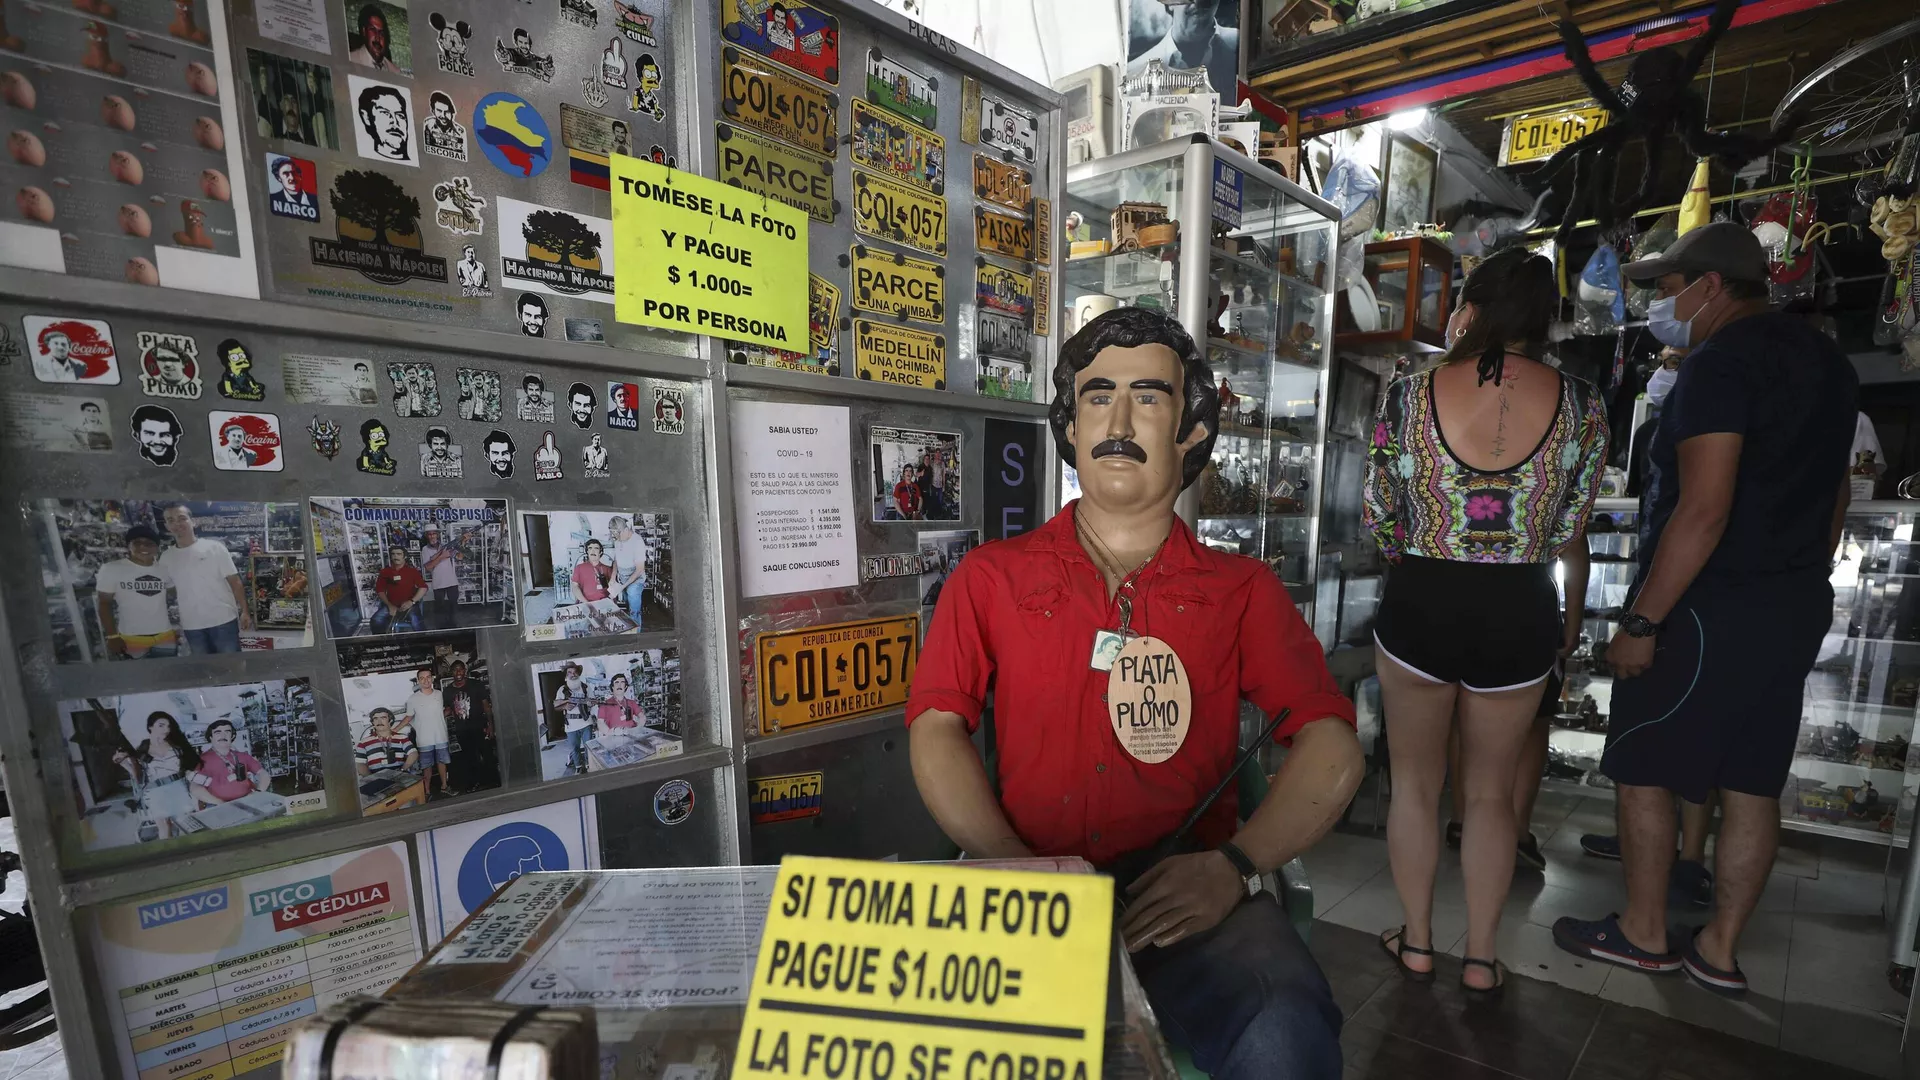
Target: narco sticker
(896, 354)
(1002, 183)
(898, 88)
(378, 227)
(887, 210)
(555, 251)
(766, 167)
(779, 105)
(892, 147)
(293, 190)
(894, 283)
(169, 366)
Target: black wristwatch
(1638, 626)
(1241, 864)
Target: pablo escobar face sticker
(374, 457)
(169, 366)
(383, 114)
(473, 274)
(457, 209)
(326, 437)
(442, 134)
(534, 402)
(245, 442)
(156, 433)
(669, 412)
(622, 397)
(416, 390)
(593, 459)
(499, 450)
(546, 459)
(580, 404)
(519, 58)
(533, 315)
(439, 457)
(479, 395)
(293, 188)
(451, 37)
(72, 350)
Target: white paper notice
(793, 494)
(496, 933)
(296, 22)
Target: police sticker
(673, 802)
(897, 284)
(451, 37)
(997, 288)
(169, 366)
(888, 210)
(779, 105)
(894, 148)
(1008, 127)
(900, 89)
(886, 353)
(1002, 183)
(1002, 234)
(767, 167)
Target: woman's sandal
(1484, 993)
(1398, 953)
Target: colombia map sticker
(512, 135)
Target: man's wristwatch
(1249, 873)
(1638, 626)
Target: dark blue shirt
(1793, 396)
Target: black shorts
(1721, 705)
(1486, 626)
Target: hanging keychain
(1108, 643)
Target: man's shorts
(435, 754)
(1720, 707)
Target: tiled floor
(1815, 953)
(41, 1060)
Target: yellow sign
(707, 257)
(767, 167)
(821, 673)
(893, 283)
(779, 104)
(785, 798)
(889, 210)
(929, 970)
(886, 353)
(1540, 136)
(1003, 234)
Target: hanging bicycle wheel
(1860, 100)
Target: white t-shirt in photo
(139, 595)
(200, 572)
(629, 555)
(429, 717)
(446, 575)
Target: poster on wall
(207, 979)
(793, 497)
(130, 579)
(156, 766)
(402, 566)
(461, 865)
(1179, 35)
(595, 573)
(595, 713)
(1014, 461)
(124, 148)
(420, 713)
(915, 474)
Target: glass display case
(1401, 302)
(1238, 254)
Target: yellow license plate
(883, 352)
(1536, 138)
(1043, 230)
(779, 105)
(997, 181)
(889, 210)
(997, 288)
(768, 167)
(1002, 234)
(895, 283)
(893, 147)
(785, 798)
(823, 314)
(818, 674)
(1042, 302)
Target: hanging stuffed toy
(1654, 103)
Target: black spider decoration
(1654, 103)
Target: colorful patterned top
(1422, 500)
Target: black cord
(1493, 365)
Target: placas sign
(955, 970)
(793, 496)
(707, 257)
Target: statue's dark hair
(1127, 327)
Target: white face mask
(1660, 384)
(1665, 328)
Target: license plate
(997, 288)
(996, 181)
(897, 87)
(779, 105)
(797, 35)
(1001, 335)
(823, 316)
(1008, 127)
(899, 355)
(1002, 234)
(894, 283)
(755, 355)
(785, 798)
(1536, 138)
(888, 210)
(772, 168)
(818, 674)
(894, 148)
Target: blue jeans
(406, 621)
(635, 592)
(1246, 999)
(215, 639)
(577, 748)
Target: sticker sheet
(595, 573)
(596, 713)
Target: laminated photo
(940, 552)
(596, 573)
(916, 474)
(55, 422)
(328, 380)
(420, 714)
(292, 100)
(601, 712)
(408, 565)
(156, 766)
(380, 35)
(148, 580)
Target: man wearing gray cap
(1746, 488)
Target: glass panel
(1105, 217)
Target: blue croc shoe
(1731, 984)
(1603, 940)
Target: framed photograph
(595, 573)
(404, 566)
(1410, 172)
(916, 474)
(1354, 399)
(420, 713)
(601, 712)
